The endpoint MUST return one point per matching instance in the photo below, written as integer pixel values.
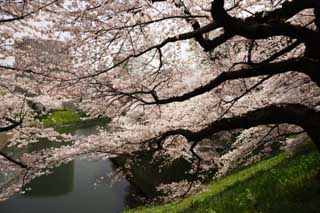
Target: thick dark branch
(257, 28)
(303, 65)
(205, 43)
(296, 114)
(288, 9)
(209, 45)
(13, 125)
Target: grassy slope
(279, 184)
(68, 121)
(60, 117)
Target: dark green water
(71, 187)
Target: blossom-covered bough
(172, 74)
(262, 26)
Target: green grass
(83, 124)
(69, 121)
(60, 117)
(279, 184)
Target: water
(73, 188)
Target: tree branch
(302, 65)
(12, 126)
(297, 114)
(253, 28)
(7, 157)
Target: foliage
(279, 184)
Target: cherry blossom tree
(173, 74)
(134, 64)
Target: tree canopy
(170, 74)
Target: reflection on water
(46, 185)
(72, 187)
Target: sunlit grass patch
(60, 117)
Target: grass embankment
(69, 121)
(60, 117)
(279, 184)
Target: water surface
(81, 186)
